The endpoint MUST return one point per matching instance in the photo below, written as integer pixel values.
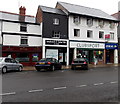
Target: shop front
(58, 49)
(111, 50)
(91, 51)
(28, 56)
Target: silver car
(7, 64)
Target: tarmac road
(94, 85)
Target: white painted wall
(95, 28)
(14, 40)
(0, 32)
(11, 40)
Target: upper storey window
(101, 23)
(23, 27)
(76, 19)
(90, 22)
(56, 21)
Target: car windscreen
(1, 59)
(79, 60)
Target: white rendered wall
(95, 28)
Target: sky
(108, 6)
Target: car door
(14, 64)
(57, 64)
(8, 64)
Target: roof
(51, 10)
(115, 15)
(86, 11)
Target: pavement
(32, 68)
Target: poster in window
(60, 57)
(52, 53)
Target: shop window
(76, 19)
(89, 21)
(111, 35)
(76, 32)
(22, 57)
(35, 57)
(24, 40)
(101, 34)
(56, 34)
(23, 27)
(89, 34)
(56, 21)
(98, 55)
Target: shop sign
(111, 46)
(55, 42)
(87, 45)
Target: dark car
(48, 64)
(79, 63)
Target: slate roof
(51, 10)
(86, 11)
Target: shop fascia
(87, 45)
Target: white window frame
(112, 34)
(76, 19)
(89, 22)
(23, 25)
(25, 38)
(112, 25)
(77, 32)
(102, 34)
(91, 33)
(56, 34)
(101, 23)
(56, 21)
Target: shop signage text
(87, 45)
(55, 42)
(111, 46)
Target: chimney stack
(22, 13)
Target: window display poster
(52, 53)
(60, 57)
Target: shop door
(90, 56)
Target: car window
(12, 61)
(1, 59)
(7, 60)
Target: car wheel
(4, 70)
(20, 69)
(53, 68)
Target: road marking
(114, 82)
(96, 84)
(11, 93)
(82, 86)
(40, 90)
(59, 88)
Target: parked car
(79, 63)
(48, 64)
(7, 64)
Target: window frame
(89, 22)
(23, 27)
(102, 34)
(91, 33)
(56, 21)
(77, 32)
(24, 38)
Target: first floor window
(89, 34)
(56, 34)
(24, 40)
(111, 35)
(76, 32)
(101, 34)
(89, 21)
